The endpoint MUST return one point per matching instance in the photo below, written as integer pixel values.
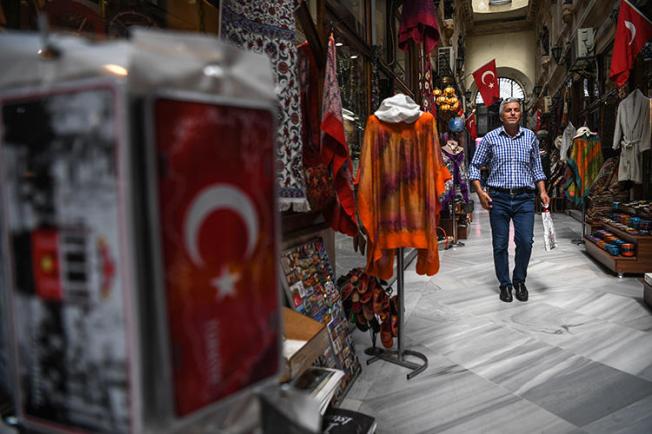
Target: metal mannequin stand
(398, 356)
(456, 242)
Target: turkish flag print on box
(486, 79)
(45, 264)
(217, 206)
(632, 32)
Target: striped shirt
(513, 162)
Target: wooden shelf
(632, 211)
(622, 234)
(642, 263)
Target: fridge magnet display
(312, 292)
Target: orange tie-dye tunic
(400, 180)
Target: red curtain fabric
(418, 24)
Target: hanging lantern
(441, 99)
(452, 100)
(450, 90)
(445, 107)
(436, 91)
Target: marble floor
(577, 357)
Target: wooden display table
(641, 263)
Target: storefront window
(356, 9)
(353, 87)
(400, 65)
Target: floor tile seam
(514, 393)
(504, 390)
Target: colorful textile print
(605, 191)
(400, 179)
(319, 182)
(584, 163)
(269, 29)
(460, 182)
(557, 170)
(335, 151)
(425, 83)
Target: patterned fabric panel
(269, 28)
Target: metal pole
(401, 310)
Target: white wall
(514, 53)
(482, 6)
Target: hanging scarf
(319, 182)
(335, 150)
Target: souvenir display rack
(311, 291)
(640, 263)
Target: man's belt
(512, 191)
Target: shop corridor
(574, 358)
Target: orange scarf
(401, 178)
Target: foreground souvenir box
(139, 222)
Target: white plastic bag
(549, 238)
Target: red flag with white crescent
(633, 31)
(486, 78)
(218, 216)
(472, 126)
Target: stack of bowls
(628, 249)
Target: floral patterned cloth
(269, 28)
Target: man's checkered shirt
(513, 162)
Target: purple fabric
(455, 164)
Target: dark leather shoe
(520, 291)
(506, 293)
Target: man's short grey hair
(507, 101)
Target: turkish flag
(472, 126)
(632, 32)
(218, 219)
(486, 79)
(537, 116)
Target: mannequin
(458, 187)
(453, 147)
(400, 179)
(398, 108)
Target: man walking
(515, 174)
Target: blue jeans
(520, 209)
